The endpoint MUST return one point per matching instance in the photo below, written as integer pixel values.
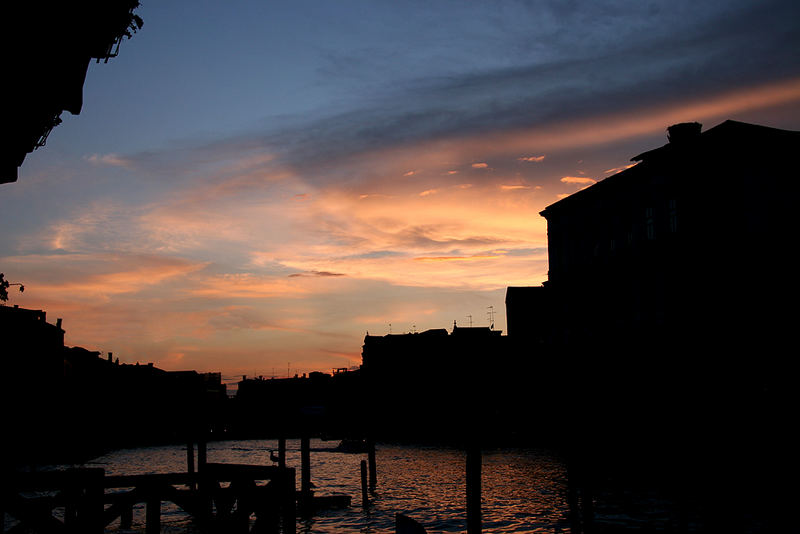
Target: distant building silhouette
(317, 402)
(434, 383)
(69, 403)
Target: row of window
(573, 249)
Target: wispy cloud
(618, 169)
(316, 273)
(578, 180)
(532, 159)
(113, 160)
(504, 187)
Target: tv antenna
(490, 314)
(470, 320)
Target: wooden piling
(93, 505)
(153, 513)
(289, 516)
(473, 489)
(126, 516)
(373, 475)
(190, 461)
(282, 452)
(305, 466)
(364, 497)
(202, 454)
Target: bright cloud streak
(577, 180)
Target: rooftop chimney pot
(683, 132)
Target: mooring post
(95, 493)
(202, 454)
(305, 465)
(282, 452)
(153, 512)
(126, 516)
(364, 497)
(373, 475)
(289, 515)
(190, 462)
(473, 489)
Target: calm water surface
(523, 490)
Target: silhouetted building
(693, 242)
(69, 403)
(665, 310)
(435, 383)
(47, 55)
(289, 407)
(31, 346)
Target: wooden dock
(221, 498)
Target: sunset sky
(255, 185)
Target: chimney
(109, 357)
(58, 322)
(684, 133)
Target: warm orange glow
(577, 180)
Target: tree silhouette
(4, 285)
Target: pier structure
(219, 498)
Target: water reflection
(523, 490)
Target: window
(673, 216)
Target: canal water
(523, 490)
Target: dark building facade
(693, 242)
(666, 311)
(438, 384)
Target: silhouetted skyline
(254, 187)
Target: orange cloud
(577, 180)
(618, 169)
(532, 159)
(458, 258)
(480, 165)
(513, 187)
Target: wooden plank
(228, 472)
(49, 480)
(132, 481)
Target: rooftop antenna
(390, 328)
(414, 328)
(288, 373)
(490, 313)
(470, 320)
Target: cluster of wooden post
(83, 491)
